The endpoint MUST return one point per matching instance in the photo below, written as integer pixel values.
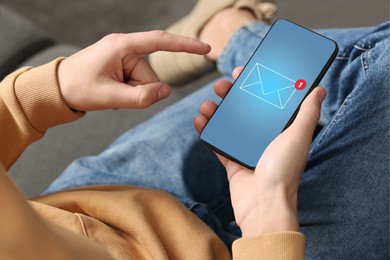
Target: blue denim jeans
(344, 192)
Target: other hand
(113, 73)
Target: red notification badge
(300, 84)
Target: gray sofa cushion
(19, 40)
(49, 54)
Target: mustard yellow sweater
(99, 222)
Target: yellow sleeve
(30, 103)
(276, 246)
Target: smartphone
(265, 98)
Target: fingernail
(163, 92)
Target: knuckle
(156, 37)
(316, 114)
(144, 100)
(111, 37)
(158, 33)
(113, 42)
(312, 110)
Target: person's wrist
(62, 75)
(276, 211)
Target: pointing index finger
(145, 43)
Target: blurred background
(74, 24)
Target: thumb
(138, 97)
(309, 114)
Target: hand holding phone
(265, 200)
(264, 99)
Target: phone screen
(286, 66)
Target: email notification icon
(269, 85)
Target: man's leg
(344, 194)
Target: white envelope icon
(269, 85)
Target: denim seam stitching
(342, 58)
(363, 60)
(333, 122)
(256, 32)
(360, 48)
(225, 53)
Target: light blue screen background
(244, 125)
